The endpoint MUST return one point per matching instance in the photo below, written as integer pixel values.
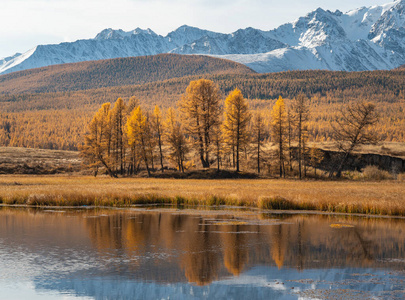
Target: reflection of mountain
(162, 252)
(257, 283)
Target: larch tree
(132, 158)
(236, 121)
(158, 128)
(229, 147)
(133, 103)
(290, 135)
(279, 131)
(95, 151)
(305, 154)
(118, 115)
(137, 133)
(259, 133)
(200, 115)
(178, 148)
(354, 128)
(301, 116)
(217, 141)
(150, 139)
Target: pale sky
(27, 23)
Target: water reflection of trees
(201, 249)
(235, 248)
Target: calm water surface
(198, 254)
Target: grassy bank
(381, 198)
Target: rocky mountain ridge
(368, 38)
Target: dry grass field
(381, 198)
(18, 160)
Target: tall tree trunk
(280, 150)
(237, 148)
(110, 172)
(160, 150)
(202, 158)
(289, 141)
(299, 146)
(145, 155)
(258, 151)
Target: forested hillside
(59, 119)
(115, 72)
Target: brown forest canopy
(333, 87)
(115, 72)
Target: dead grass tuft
(374, 173)
(401, 177)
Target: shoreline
(383, 198)
(198, 208)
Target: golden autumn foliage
(139, 135)
(123, 138)
(200, 115)
(59, 120)
(159, 131)
(259, 133)
(279, 132)
(235, 125)
(174, 136)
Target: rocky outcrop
(358, 161)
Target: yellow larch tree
(137, 133)
(175, 139)
(118, 115)
(200, 115)
(279, 131)
(158, 129)
(236, 121)
(96, 148)
(301, 111)
(258, 137)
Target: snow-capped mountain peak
(367, 38)
(392, 18)
(111, 34)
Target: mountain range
(368, 38)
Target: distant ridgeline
(51, 107)
(366, 38)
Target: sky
(27, 23)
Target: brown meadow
(377, 198)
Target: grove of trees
(58, 118)
(205, 130)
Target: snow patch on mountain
(283, 59)
(14, 62)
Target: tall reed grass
(378, 198)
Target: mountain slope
(368, 38)
(115, 72)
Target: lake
(164, 253)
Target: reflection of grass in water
(341, 226)
(230, 223)
(380, 198)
